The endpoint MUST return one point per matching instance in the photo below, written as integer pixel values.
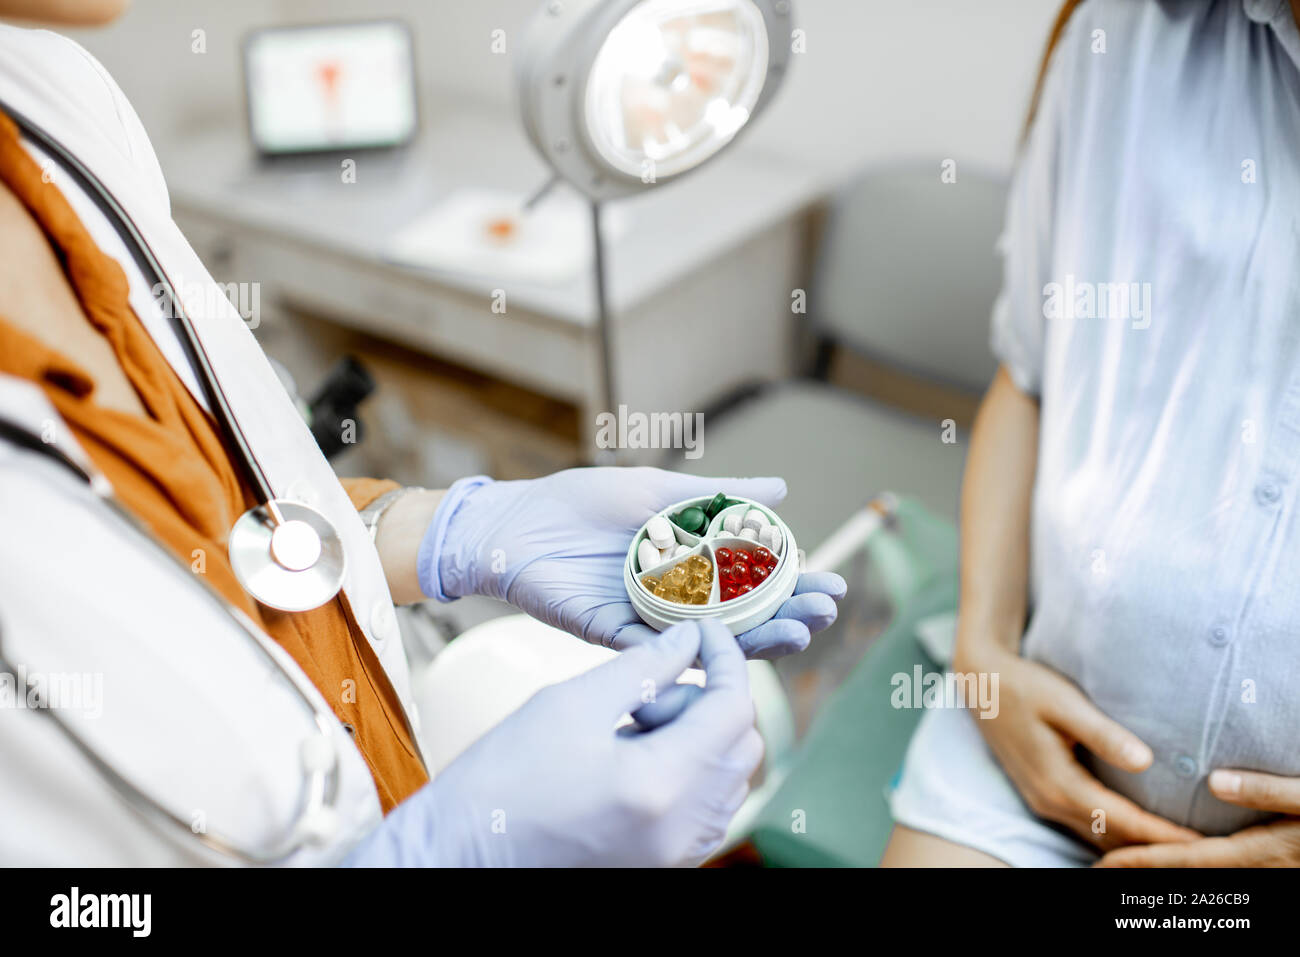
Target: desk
(700, 272)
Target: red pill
(738, 573)
(744, 589)
(758, 574)
(763, 557)
(724, 556)
(728, 592)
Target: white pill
(748, 534)
(733, 523)
(756, 520)
(771, 537)
(647, 555)
(681, 550)
(659, 531)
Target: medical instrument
(316, 812)
(622, 96)
(285, 554)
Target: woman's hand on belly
(1265, 845)
(1040, 719)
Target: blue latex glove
(555, 546)
(555, 785)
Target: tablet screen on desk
(330, 87)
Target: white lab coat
(189, 712)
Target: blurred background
(818, 297)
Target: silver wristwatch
(372, 513)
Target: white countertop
(654, 240)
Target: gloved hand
(555, 546)
(555, 785)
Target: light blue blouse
(1152, 302)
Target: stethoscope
(285, 554)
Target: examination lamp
(621, 96)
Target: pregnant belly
(1207, 697)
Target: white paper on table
(549, 244)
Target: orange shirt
(172, 470)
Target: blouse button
(1259, 10)
(1185, 765)
(301, 491)
(383, 621)
(1267, 493)
(1219, 635)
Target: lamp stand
(604, 329)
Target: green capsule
(692, 520)
(718, 504)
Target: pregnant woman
(1131, 508)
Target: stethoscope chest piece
(287, 555)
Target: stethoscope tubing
(321, 784)
(140, 250)
(287, 593)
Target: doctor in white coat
(194, 738)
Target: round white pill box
(740, 613)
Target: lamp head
(621, 95)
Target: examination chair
(826, 801)
(903, 288)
